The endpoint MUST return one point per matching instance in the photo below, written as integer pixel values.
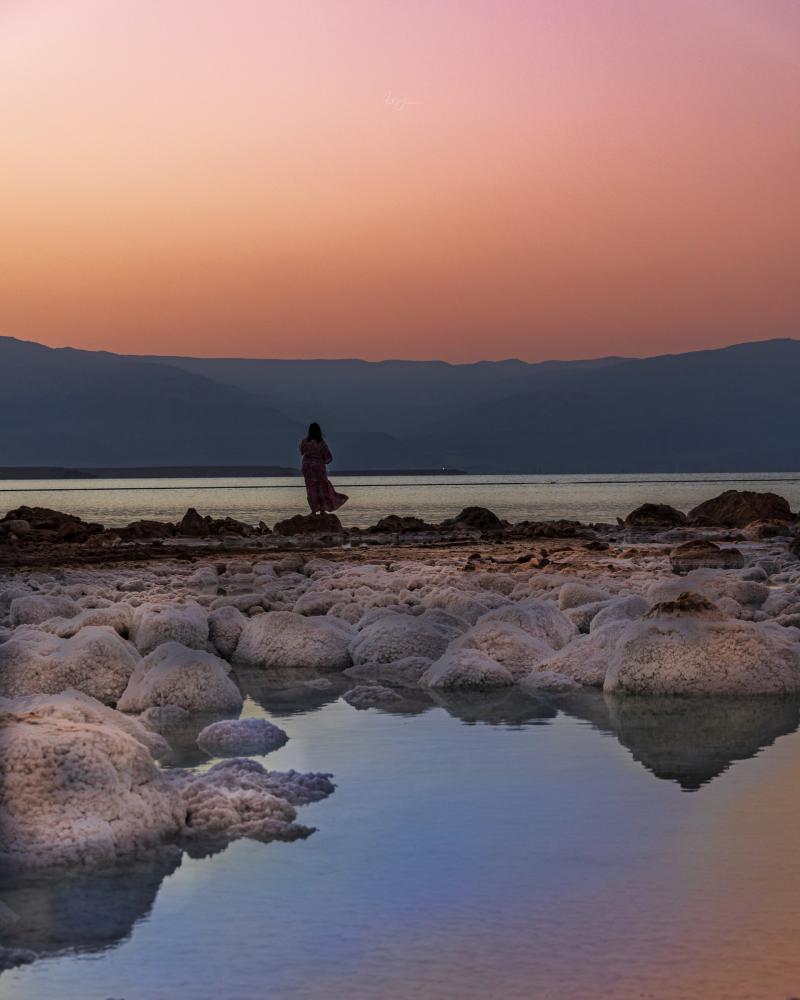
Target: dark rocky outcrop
(194, 525)
(43, 524)
(551, 529)
(738, 508)
(704, 554)
(141, 530)
(655, 515)
(479, 518)
(401, 525)
(309, 524)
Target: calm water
(584, 498)
(478, 847)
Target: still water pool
(476, 846)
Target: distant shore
(195, 472)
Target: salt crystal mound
(623, 609)
(79, 785)
(548, 682)
(174, 675)
(583, 615)
(585, 659)
(541, 619)
(364, 696)
(116, 616)
(518, 651)
(33, 609)
(95, 661)
(466, 670)
(285, 640)
(233, 737)
(394, 636)
(165, 718)
(240, 798)
(689, 648)
(405, 672)
(154, 624)
(7, 595)
(574, 595)
(225, 625)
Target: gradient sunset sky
(457, 179)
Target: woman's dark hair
(314, 432)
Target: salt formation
(232, 737)
(549, 682)
(405, 672)
(165, 718)
(540, 619)
(32, 609)
(466, 669)
(78, 784)
(95, 661)
(515, 649)
(369, 695)
(174, 675)
(688, 647)
(284, 639)
(394, 636)
(154, 624)
(225, 626)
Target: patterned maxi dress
(322, 497)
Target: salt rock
(464, 605)
(225, 626)
(80, 786)
(165, 718)
(620, 609)
(585, 659)
(286, 640)
(95, 661)
(541, 619)
(704, 553)
(232, 737)
(518, 651)
(7, 595)
(548, 682)
(686, 647)
(583, 616)
(394, 636)
(370, 695)
(466, 669)
(154, 624)
(116, 616)
(573, 595)
(33, 609)
(405, 672)
(174, 675)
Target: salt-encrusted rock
(79, 784)
(583, 616)
(7, 595)
(518, 651)
(394, 636)
(548, 682)
(686, 647)
(468, 606)
(32, 609)
(283, 639)
(174, 675)
(704, 554)
(585, 659)
(233, 737)
(95, 661)
(165, 718)
(309, 524)
(154, 624)
(466, 669)
(620, 609)
(574, 595)
(405, 672)
(655, 516)
(541, 619)
(116, 616)
(369, 695)
(225, 626)
(737, 508)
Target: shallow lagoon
(476, 846)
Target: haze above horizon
(266, 178)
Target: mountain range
(731, 409)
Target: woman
(322, 497)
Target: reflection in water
(687, 740)
(284, 693)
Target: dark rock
(759, 530)
(738, 508)
(194, 525)
(794, 547)
(147, 529)
(400, 525)
(655, 515)
(230, 526)
(479, 518)
(704, 554)
(47, 525)
(551, 529)
(309, 524)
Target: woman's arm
(326, 455)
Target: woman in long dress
(322, 497)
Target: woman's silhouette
(322, 497)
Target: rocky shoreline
(112, 657)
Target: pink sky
(458, 179)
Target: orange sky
(459, 179)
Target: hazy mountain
(732, 409)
